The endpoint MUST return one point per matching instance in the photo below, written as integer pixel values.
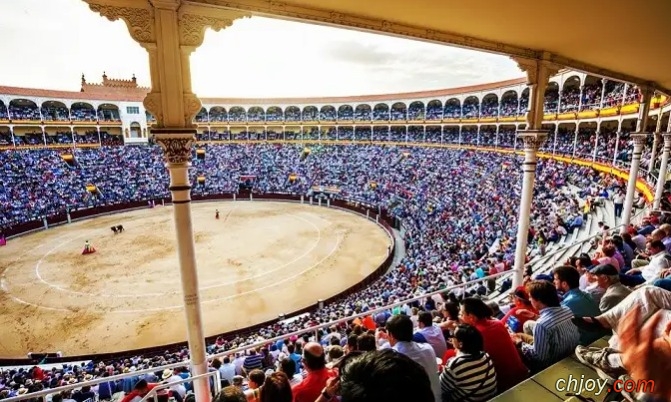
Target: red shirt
(510, 370)
(311, 387)
(515, 321)
(129, 397)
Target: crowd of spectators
(591, 96)
(569, 99)
(81, 112)
(458, 210)
(55, 113)
(551, 100)
(3, 111)
(489, 106)
(24, 112)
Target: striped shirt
(254, 361)
(468, 378)
(555, 337)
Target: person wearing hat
(521, 312)
(608, 278)
(169, 376)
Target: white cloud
(52, 42)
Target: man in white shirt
(238, 362)
(227, 370)
(648, 273)
(169, 377)
(430, 333)
(399, 328)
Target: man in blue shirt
(581, 304)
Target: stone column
(533, 139)
(554, 145)
(639, 138)
(538, 75)
(177, 148)
(617, 146)
(575, 140)
(596, 145)
(661, 179)
(170, 30)
(653, 151)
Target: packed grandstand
(439, 163)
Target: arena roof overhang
(619, 39)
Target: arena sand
(260, 259)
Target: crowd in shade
(460, 225)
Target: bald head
(314, 348)
(313, 356)
(666, 228)
(658, 234)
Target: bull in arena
(117, 229)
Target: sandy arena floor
(259, 260)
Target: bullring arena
(127, 295)
(233, 224)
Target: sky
(53, 42)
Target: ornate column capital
(640, 139)
(194, 20)
(170, 30)
(667, 139)
(176, 144)
(138, 16)
(533, 139)
(537, 70)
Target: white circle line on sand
(260, 275)
(20, 257)
(59, 245)
(158, 309)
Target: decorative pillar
(170, 30)
(554, 146)
(639, 138)
(655, 141)
(604, 81)
(596, 145)
(533, 139)
(661, 178)
(617, 146)
(653, 152)
(538, 75)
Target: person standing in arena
(216, 214)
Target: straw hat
(167, 373)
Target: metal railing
(560, 250)
(216, 386)
(555, 254)
(315, 329)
